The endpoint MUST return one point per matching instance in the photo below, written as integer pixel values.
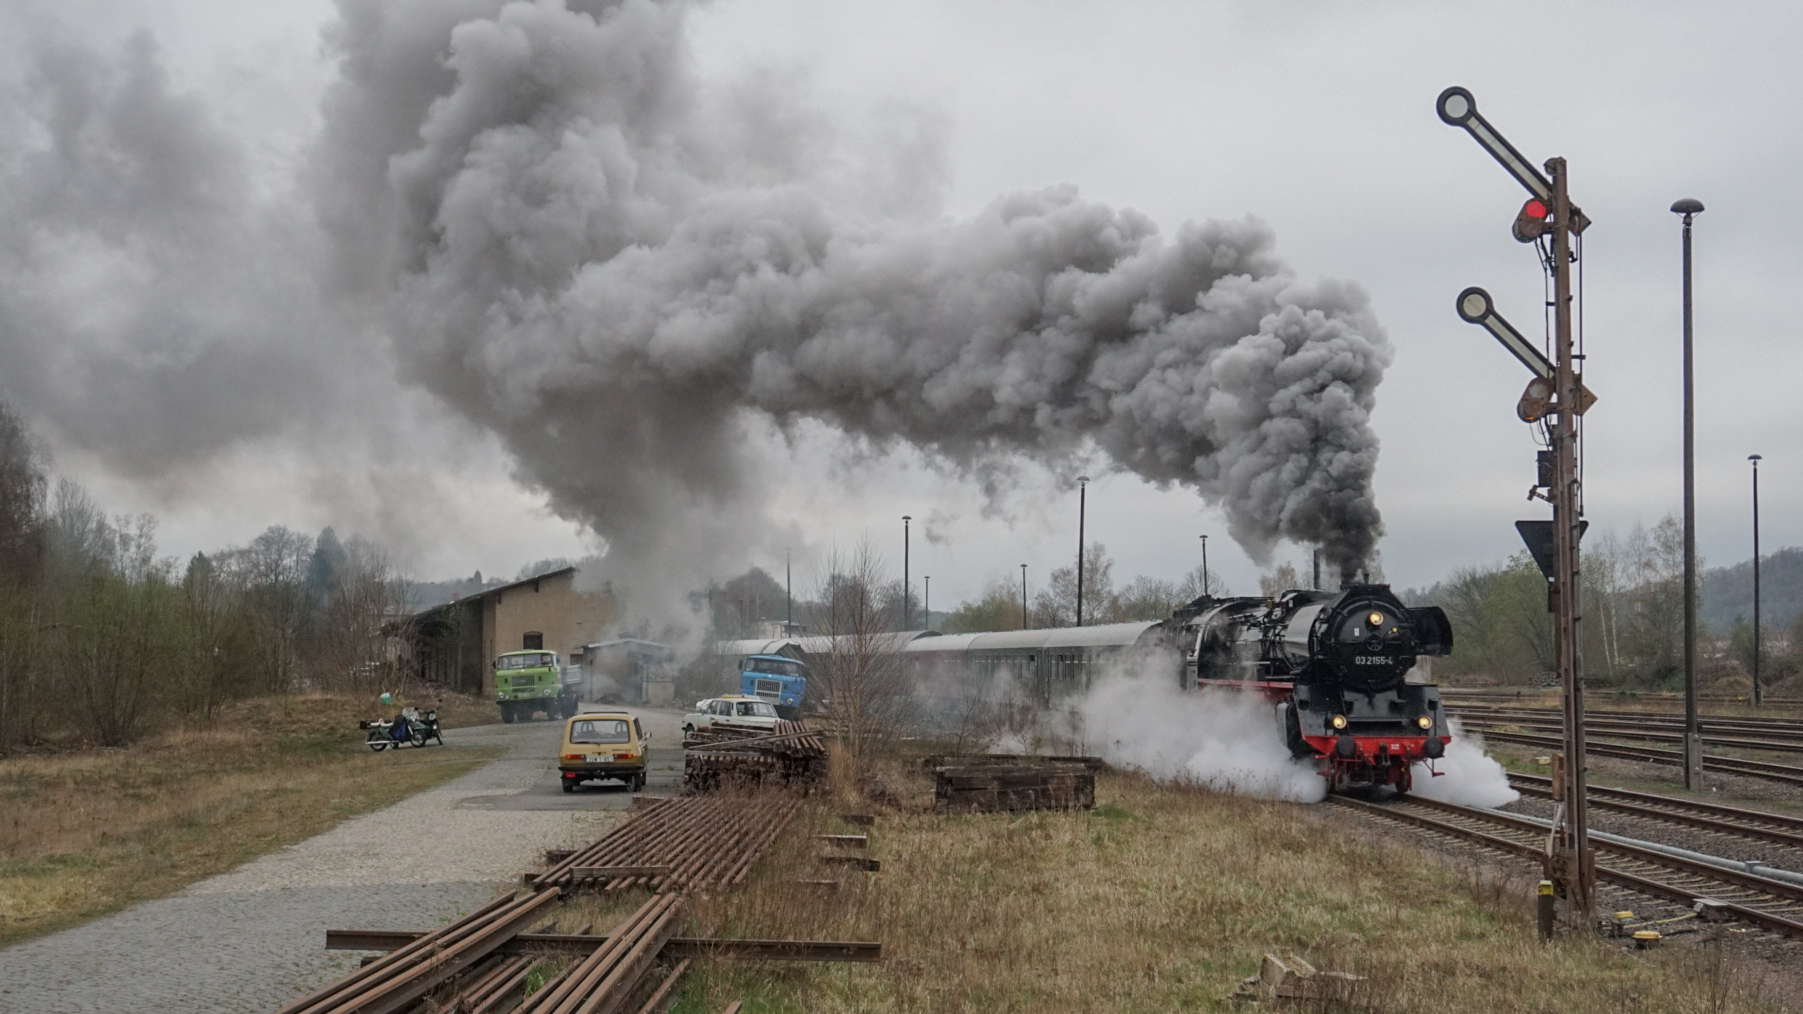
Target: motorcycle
(409, 728)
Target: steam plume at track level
(609, 263)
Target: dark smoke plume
(541, 213)
(614, 266)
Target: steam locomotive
(1336, 666)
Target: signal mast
(1557, 399)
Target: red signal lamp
(1532, 222)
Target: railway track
(1622, 730)
(1772, 905)
(1767, 727)
(1711, 762)
(1777, 828)
(1673, 699)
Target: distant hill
(1728, 592)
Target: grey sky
(1315, 117)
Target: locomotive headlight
(1425, 721)
(1375, 619)
(1338, 721)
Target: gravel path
(252, 939)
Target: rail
(1769, 904)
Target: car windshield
(774, 667)
(526, 661)
(600, 730)
(756, 709)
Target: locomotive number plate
(1370, 660)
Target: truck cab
(781, 681)
(532, 681)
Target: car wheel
(569, 786)
(507, 714)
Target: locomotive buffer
(1557, 398)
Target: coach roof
(1104, 635)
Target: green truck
(531, 681)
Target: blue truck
(781, 681)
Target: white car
(737, 712)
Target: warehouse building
(454, 645)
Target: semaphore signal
(1555, 398)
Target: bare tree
(219, 647)
(1279, 581)
(22, 543)
(861, 674)
(117, 635)
(22, 492)
(349, 647)
(274, 571)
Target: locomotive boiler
(1336, 665)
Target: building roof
(484, 593)
(631, 642)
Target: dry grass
(88, 832)
(1160, 900)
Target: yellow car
(602, 744)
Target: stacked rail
(480, 963)
(606, 980)
(401, 977)
(718, 756)
(688, 843)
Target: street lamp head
(1755, 459)
(907, 517)
(1082, 480)
(1687, 206)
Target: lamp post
(926, 602)
(1205, 565)
(1082, 505)
(1758, 697)
(1023, 596)
(907, 614)
(1690, 207)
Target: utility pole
(1568, 509)
(907, 614)
(1556, 398)
(926, 602)
(1023, 596)
(788, 594)
(1205, 565)
(1690, 208)
(1758, 696)
(1082, 505)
